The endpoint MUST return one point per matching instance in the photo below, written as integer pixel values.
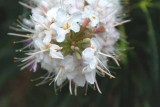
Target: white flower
(55, 52)
(52, 13)
(89, 55)
(39, 44)
(49, 35)
(64, 23)
(92, 15)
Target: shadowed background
(137, 83)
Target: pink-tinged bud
(76, 48)
(45, 8)
(86, 22)
(72, 47)
(100, 29)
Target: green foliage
(136, 83)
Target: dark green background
(137, 83)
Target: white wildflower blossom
(71, 39)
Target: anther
(93, 17)
(94, 87)
(15, 58)
(111, 77)
(30, 70)
(93, 47)
(52, 58)
(52, 34)
(127, 3)
(30, 4)
(47, 46)
(10, 27)
(20, 16)
(14, 42)
(36, 85)
(56, 49)
(18, 25)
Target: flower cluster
(71, 39)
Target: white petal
(61, 34)
(80, 80)
(90, 77)
(88, 54)
(94, 22)
(95, 43)
(52, 13)
(71, 75)
(39, 44)
(47, 38)
(93, 63)
(76, 17)
(91, 2)
(61, 16)
(68, 63)
(80, 4)
(75, 27)
(54, 53)
(39, 18)
(53, 47)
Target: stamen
(70, 86)
(99, 68)
(120, 23)
(103, 65)
(20, 35)
(98, 87)
(110, 57)
(25, 5)
(37, 52)
(28, 30)
(58, 74)
(86, 89)
(67, 26)
(16, 29)
(28, 58)
(75, 90)
(40, 23)
(27, 65)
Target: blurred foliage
(137, 83)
